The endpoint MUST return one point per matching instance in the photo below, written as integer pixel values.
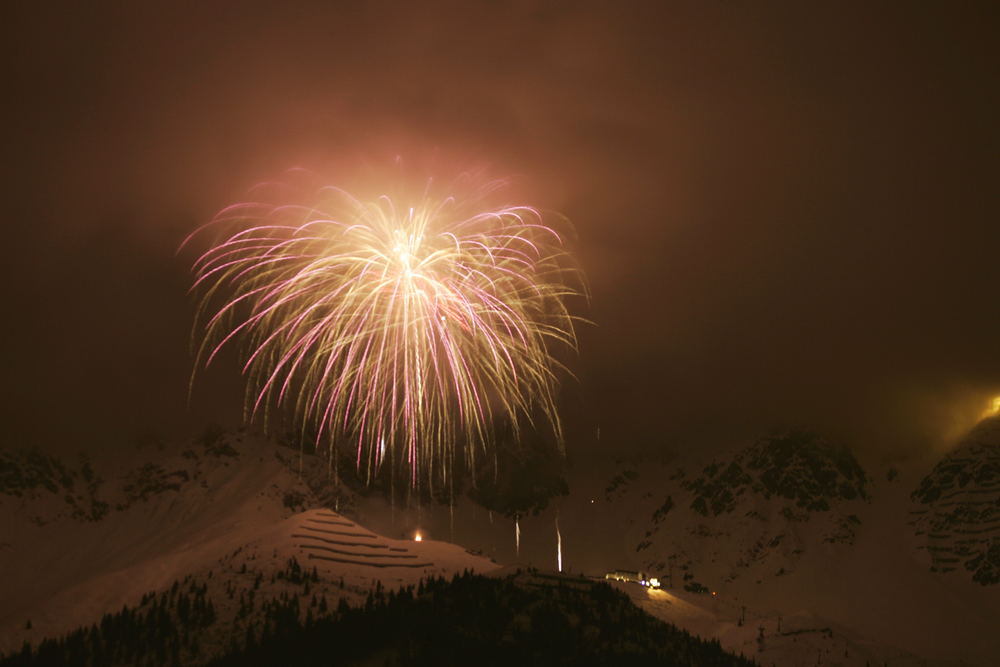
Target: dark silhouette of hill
(526, 618)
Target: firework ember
(405, 327)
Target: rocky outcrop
(956, 507)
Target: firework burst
(407, 328)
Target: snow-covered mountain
(956, 513)
(756, 513)
(790, 542)
(787, 550)
(222, 521)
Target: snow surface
(830, 590)
(61, 573)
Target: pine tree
(209, 614)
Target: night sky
(788, 214)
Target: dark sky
(788, 212)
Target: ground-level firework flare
(406, 325)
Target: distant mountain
(757, 511)
(793, 526)
(956, 513)
(29, 474)
(47, 489)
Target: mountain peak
(956, 514)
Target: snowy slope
(813, 558)
(757, 513)
(792, 533)
(224, 516)
(956, 513)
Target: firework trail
(406, 326)
(558, 545)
